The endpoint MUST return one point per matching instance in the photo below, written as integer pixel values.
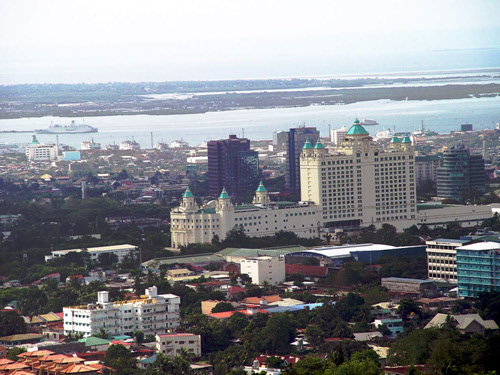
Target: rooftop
(97, 249)
(481, 246)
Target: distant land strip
(86, 105)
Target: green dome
(34, 141)
(224, 194)
(395, 140)
(356, 122)
(187, 194)
(357, 129)
(307, 144)
(406, 140)
(261, 187)
(319, 145)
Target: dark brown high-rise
(296, 139)
(232, 165)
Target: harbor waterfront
(441, 116)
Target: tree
(488, 304)
(369, 354)
(297, 278)
(106, 260)
(13, 353)
(314, 335)
(408, 309)
(232, 357)
(11, 323)
(236, 323)
(123, 175)
(120, 359)
(278, 343)
(139, 336)
(169, 365)
(32, 301)
(384, 330)
(274, 362)
(309, 365)
(355, 367)
(222, 307)
(102, 334)
(351, 306)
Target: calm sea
(441, 116)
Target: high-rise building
(478, 268)
(460, 173)
(296, 139)
(360, 183)
(232, 165)
(426, 168)
(280, 139)
(337, 136)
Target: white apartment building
(337, 136)
(171, 344)
(264, 268)
(119, 250)
(41, 152)
(441, 259)
(191, 223)
(152, 313)
(359, 183)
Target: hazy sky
(120, 40)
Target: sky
(61, 41)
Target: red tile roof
(309, 271)
(236, 289)
(256, 300)
(222, 315)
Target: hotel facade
(191, 223)
(358, 183)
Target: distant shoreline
(217, 102)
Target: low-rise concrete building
(424, 288)
(119, 250)
(173, 343)
(152, 313)
(264, 268)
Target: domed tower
(188, 201)
(395, 143)
(261, 195)
(307, 149)
(225, 209)
(319, 149)
(406, 144)
(357, 139)
(224, 201)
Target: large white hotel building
(358, 183)
(152, 313)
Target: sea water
(441, 116)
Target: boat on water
(367, 122)
(72, 128)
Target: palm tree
(169, 365)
